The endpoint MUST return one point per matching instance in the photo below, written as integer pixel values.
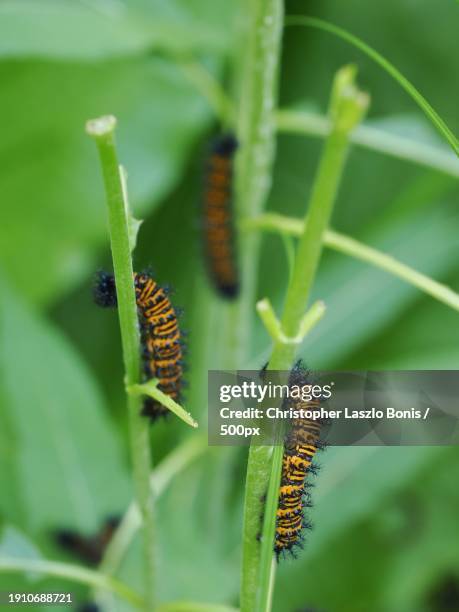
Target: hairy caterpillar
(300, 446)
(218, 223)
(162, 344)
(89, 549)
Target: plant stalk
(102, 130)
(346, 110)
(256, 133)
(353, 248)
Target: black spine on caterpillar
(301, 444)
(104, 290)
(161, 337)
(219, 232)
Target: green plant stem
(292, 121)
(256, 132)
(256, 127)
(74, 573)
(437, 121)
(309, 251)
(346, 110)
(311, 243)
(102, 130)
(373, 139)
(353, 248)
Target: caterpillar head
(142, 279)
(104, 290)
(226, 145)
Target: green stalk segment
(353, 248)
(102, 130)
(347, 107)
(256, 132)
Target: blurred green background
(387, 529)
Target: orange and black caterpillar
(301, 444)
(89, 549)
(218, 222)
(162, 344)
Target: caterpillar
(218, 223)
(89, 549)
(162, 343)
(300, 446)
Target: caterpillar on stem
(219, 234)
(300, 447)
(161, 336)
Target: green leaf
(206, 513)
(15, 544)
(51, 185)
(70, 467)
(430, 503)
(426, 336)
(10, 501)
(356, 485)
(78, 30)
